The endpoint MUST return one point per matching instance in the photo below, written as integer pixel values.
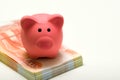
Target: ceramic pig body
(42, 34)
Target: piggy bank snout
(44, 43)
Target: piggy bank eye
(48, 29)
(39, 30)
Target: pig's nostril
(39, 30)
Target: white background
(91, 28)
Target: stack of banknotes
(13, 54)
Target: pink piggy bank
(42, 34)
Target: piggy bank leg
(33, 56)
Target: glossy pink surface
(42, 34)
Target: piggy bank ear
(27, 22)
(57, 20)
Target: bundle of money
(13, 54)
